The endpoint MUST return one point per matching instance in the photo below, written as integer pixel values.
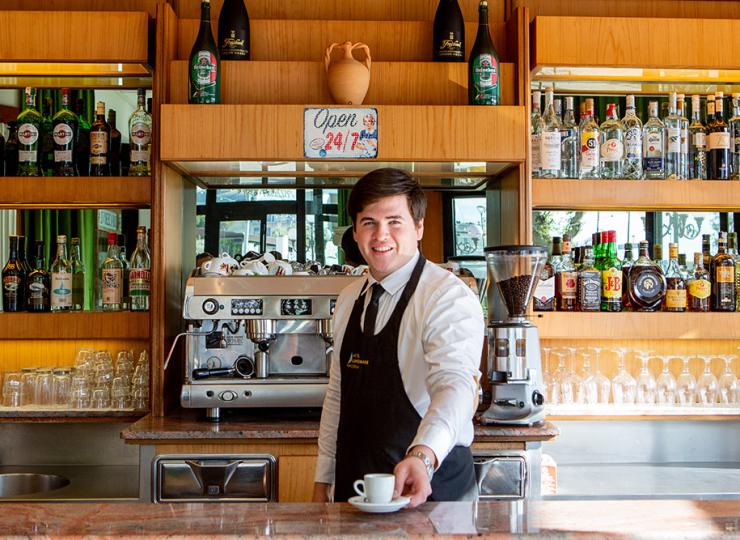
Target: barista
(404, 377)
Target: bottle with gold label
(611, 275)
(566, 279)
(647, 282)
(723, 282)
(699, 286)
(675, 295)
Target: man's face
(387, 235)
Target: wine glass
(599, 380)
(586, 389)
(728, 383)
(685, 384)
(646, 383)
(563, 392)
(707, 387)
(547, 377)
(624, 386)
(573, 380)
(666, 384)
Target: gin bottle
(558, 104)
(632, 142)
(61, 278)
(697, 142)
(612, 144)
(536, 121)
(653, 144)
(735, 138)
(681, 112)
(550, 140)
(588, 130)
(569, 142)
(673, 141)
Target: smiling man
(404, 377)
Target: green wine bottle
(205, 64)
(29, 135)
(483, 65)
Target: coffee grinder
(514, 364)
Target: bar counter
(545, 519)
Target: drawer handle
(213, 479)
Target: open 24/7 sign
(340, 133)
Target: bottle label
(589, 149)
(28, 134)
(450, 47)
(736, 144)
(111, 286)
(204, 72)
(568, 284)
(612, 150)
(719, 141)
(675, 299)
(684, 141)
(485, 80)
(37, 290)
(611, 283)
(725, 274)
(589, 290)
(61, 289)
(63, 134)
(62, 156)
(544, 295)
(98, 147)
(27, 156)
(139, 282)
(700, 288)
(674, 140)
(536, 161)
(633, 143)
(141, 134)
(234, 45)
(11, 284)
(648, 286)
(654, 145)
(700, 140)
(550, 150)
(139, 156)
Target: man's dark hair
(388, 182)
(352, 254)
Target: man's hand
(412, 478)
(321, 492)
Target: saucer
(396, 504)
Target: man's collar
(392, 283)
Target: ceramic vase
(348, 78)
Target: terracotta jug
(348, 78)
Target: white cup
(220, 266)
(376, 488)
(255, 267)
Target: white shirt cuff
(435, 439)
(325, 469)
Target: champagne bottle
(205, 64)
(483, 65)
(449, 33)
(233, 31)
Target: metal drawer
(501, 476)
(217, 478)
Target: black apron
(377, 422)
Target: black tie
(371, 313)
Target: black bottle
(14, 280)
(11, 150)
(39, 284)
(448, 41)
(82, 148)
(22, 253)
(115, 145)
(719, 143)
(233, 31)
(2, 155)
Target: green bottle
(611, 276)
(29, 136)
(483, 65)
(65, 126)
(205, 64)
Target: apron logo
(356, 362)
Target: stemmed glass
(728, 383)
(574, 380)
(707, 387)
(600, 381)
(666, 384)
(686, 384)
(646, 383)
(586, 391)
(624, 386)
(548, 379)
(563, 392)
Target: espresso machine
(514, 363)
(258, 341)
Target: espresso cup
(376, 488)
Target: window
(464, 225)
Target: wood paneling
(75, 325)
(439, 133)
(76, 192)
(391, 83)
(296, 478)
(38, 36)
(149, 6)
(633, 42)
(695, 9)
(306, 40)
(432, 243)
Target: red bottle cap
(112, 238)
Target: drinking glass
(563, 393)
(547, 377)
(79, 395)
(61, 386)
(140, 397)
(573, 380)
(666, 384)
(120, 394)
(100, 398)
(602, 383)
(707, 387)
(728, 383)
(646, 383)
(686, 384)
(42, 388)
(28, 386)
(587, 391)
(12, 384)
(624, 386)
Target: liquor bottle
(39, 284)
(710, 113)
(2, 155)
(683, 168)
(723, 278)
(140, 137)
(204, 62)
(653, 140)
(114, 145)
(698, 142)
(732, 249)
(611, 276)
(29, 135)
(124, 271)
(11, 149)
(61, 278)
(557, 104)
(100, 143)
(706, 247)
(588, 164)
(647, 282)
(46, 144)
(566, 279)
(589, 283)
(699, 286)
(83, 139)
(550, 156)
(627, 262)
(78, 277)
(632, 142)
(14, 280)
(675, 295)
(483, 65)
(719, 143)
(673, 141)
(735, 138)
(448, 41)
(598, 249)
(537, 126)
(569, 142)
(611, 142)
(112, 277)
(682, 268)
(658, 257)
(22, 259)
(140, 273)
(64, 130)
(544, 293)
(233, 31)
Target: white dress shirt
(439, 352)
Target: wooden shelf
(641, 412)
(391, 83)
(76, 192)
(560, 194)
(63, 416)
(75, 325)
(629, 325)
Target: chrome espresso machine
(258, 341)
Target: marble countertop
(664, 519)
(186, 424)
